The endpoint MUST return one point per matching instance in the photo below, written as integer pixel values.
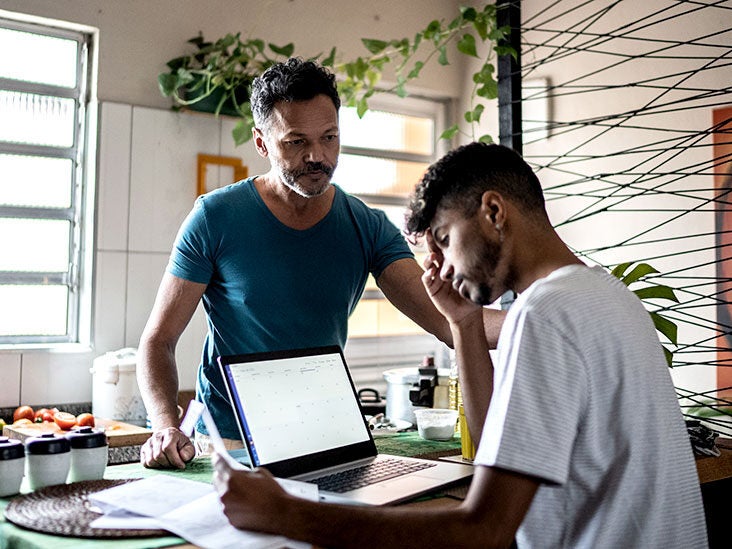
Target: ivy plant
(474, 33)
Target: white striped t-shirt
(583, 400)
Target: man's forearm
(157, 376)
(475, 370)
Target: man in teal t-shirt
(280, 260)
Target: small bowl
(436, 423)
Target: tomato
(85, 420)
(64, 420)
(40, 412)
(48, 416)
(24, 412)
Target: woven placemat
(64, 510)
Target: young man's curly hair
(460, 178)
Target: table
(405, 444)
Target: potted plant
(217, 77)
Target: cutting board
(118, 433)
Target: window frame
(369, 356)
(80, 213)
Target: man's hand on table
(167, 448)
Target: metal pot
(371, 402)
(400, 382)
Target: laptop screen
(295, 404)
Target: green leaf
(167, 83)
(619, 269)
(241, 132)
(432, 29)
(475, 114)
(665, 327)
(330, 60)
(639, 271)
(468, 14)
(414, 73)
(442, 60)
(417, 41)
(374, 46)
(656, 292)
(481, 27)
(486, 139)
(450, 132)
(362, 107)
(285, 51)
(489, 90)
(669, 356)
(466, 45)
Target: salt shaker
(47, 460)
(88, 454)
(12, 462)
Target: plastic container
(47, 460)
(436, 423)
(115, 393)
(12, 465)
(88, 454)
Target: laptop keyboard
(345, 481)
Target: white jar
(47, 460)
(89, 452)
(12, 463)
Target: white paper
(187, 508)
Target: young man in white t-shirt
(582, 443)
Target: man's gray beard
(292, 184)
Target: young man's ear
(493, 207)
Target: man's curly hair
(291, 80)
(459, 179)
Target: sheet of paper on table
(187, 508)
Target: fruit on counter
(2, 424)
(25, 415)
(24, 412)
(45, 414)
(85, 420)
(64, 420)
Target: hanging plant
(474, 32)
(217, 77)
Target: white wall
(660, 160)
(137, 37)
(147, 153)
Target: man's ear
(259, 142)
(493, 207)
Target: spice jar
(88, 454)
(12, 462)
(47, 460)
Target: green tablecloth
(13, 537)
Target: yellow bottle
(466, 442)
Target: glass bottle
(455, 398)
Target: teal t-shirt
(271, 287)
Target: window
(46, 111)
(383, 155)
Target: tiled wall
(145, 187)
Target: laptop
(299, 417)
